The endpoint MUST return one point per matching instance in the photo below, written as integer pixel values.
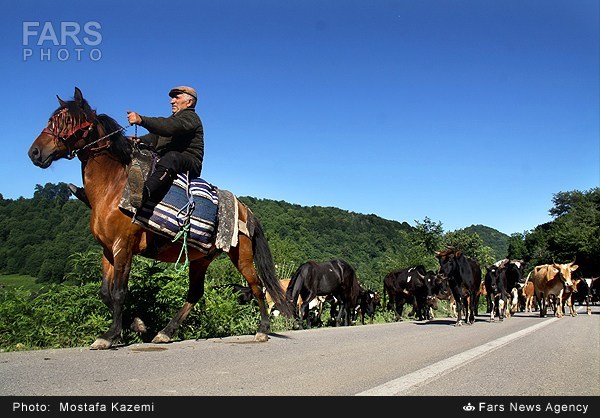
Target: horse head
(66, 131)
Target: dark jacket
(181, 132)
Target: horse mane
(121, 147)
(78, 110)
(81, 111)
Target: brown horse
(74, 129)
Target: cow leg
(472, 308)
(502, 308)
(572, 310)
(588, 308)
(543, 304)
(458, 298)
(490, 303)
(529, 304)
(492, 306)
(558, 311)
(343, 316)
(304, 313)
(399, 308)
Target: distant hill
(492, 238)
(373, 245)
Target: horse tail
(265, 267)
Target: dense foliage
(38, 235)
(48, 237)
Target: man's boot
(136, 179)
(156, 186)
(79, 193)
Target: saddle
(193, 211)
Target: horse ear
(78, 96)
(61, 101)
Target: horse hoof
(261, 337)
(100, 344)
(160, 338)
(138, 326)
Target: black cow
(334, 278)
(515, 280)
(409, 285)
(464, 277)
(582, 292)
(368, 301)
(595, 290)
(496, 295)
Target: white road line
(411, 380)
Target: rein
(74, 152)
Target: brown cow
(550, 281)
(528, 292)
(567, 297)
(270, 303)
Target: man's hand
(133, 118)
(134, 139)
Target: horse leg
(242, 258)
(195, 292)
(113, 291)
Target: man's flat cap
(183, 89)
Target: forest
(47, 237)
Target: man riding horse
(106, 155)
(179, 142)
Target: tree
(470, 245)
(59, 192)
(516, 247)
(429, 234)
(575, 232)
(84, 267)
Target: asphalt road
(522, 356)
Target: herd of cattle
(459, 280)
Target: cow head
(441, 287)
(492, 276)
(563, 271)
(448, 262)
(437, 288)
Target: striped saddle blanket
(189, 204)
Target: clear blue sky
(465, 112)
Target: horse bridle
(55, 130)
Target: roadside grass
(19, 280)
